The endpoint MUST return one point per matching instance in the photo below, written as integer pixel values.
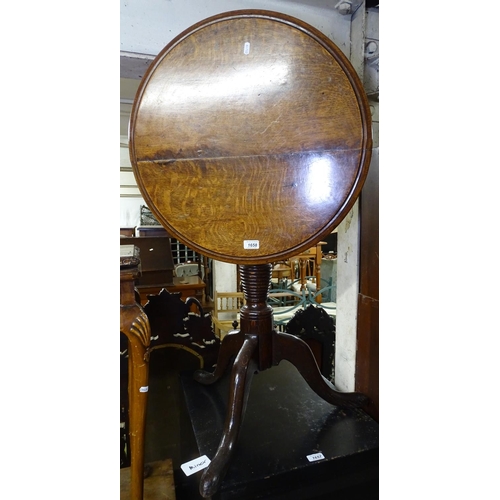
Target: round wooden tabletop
(250, 136)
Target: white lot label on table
(315, 456)
(251, 244)
(195, 465)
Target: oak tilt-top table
(250, 140)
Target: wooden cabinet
(127, 231)
(157, 266)
(152, 231)
(188, 286)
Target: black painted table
(286, 421)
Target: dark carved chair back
(316, 327)
(174, 324)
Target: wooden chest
(157, 265)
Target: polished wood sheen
(254, 123)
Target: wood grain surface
(250, 126)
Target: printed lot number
(251, 244)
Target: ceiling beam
(134, 65)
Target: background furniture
(191, 286)
(172, 325)
(188, 269)
(143, 231)
(329, 277)
(127, 231)
(317, 328)
(309, 265)
(251, 166)
(188, 286)
(225, 314)
(157, 270)
(180, 253)
(158, 484)
(135, 325)
(157, 266)
(181, 323)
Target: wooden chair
(250, 140)
(316, 327)
(282, 272)
(285, 303)
(317, 297)
(181, 324)
(309, 265)
(225, 314)
(189, 269)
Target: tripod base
(244, 349)
(256, 347)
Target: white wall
(146, 26)
(347, 300)
(224, 276)
(130, 214)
